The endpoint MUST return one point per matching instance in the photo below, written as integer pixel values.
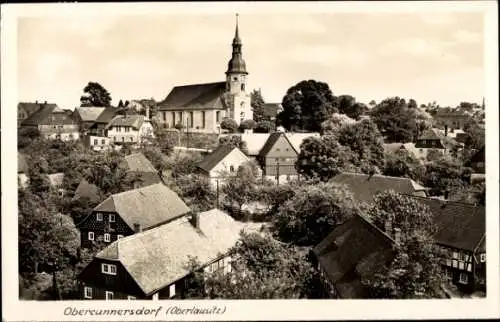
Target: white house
(129, 129)
(221, 163)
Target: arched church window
(243, 86)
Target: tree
(38, 171)
(474, 194)
(229, 124)
(196, 191)
(95, 95)
(333, 124)
(414, 271)
(322, 157)
(262, 268)
(347, 105)
(264, 127)
(25, 136)
(181, 165)
(234, 141)
(444, 175)
(475, 135)
(240, 189)
(306, 105)
(403, 164)
(395, 120)
(155, 155)
(365, 142)
(312, 213)
(248, 125)
(257, 103)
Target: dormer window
(108, 269)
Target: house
(87, 190)
(22, 170)
(354, 250)
(26, 109)
(202, 107)
(132, 129)
(222, 162)
(129, 212)
(449, 118)
(461, 232)
(87, 116)
(99, 126)
(97, 143)
(364, 187)
(155, 264)
(139, 166)
(53, 123)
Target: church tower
(236, 82)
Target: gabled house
(222, 162)
(155, 264)
(99, 127)
(461, 232)
(131, 129)
(26, 109)
(364, 187)
(129, 212)
(430, 139)
(278, 156)
(53, 123)
(139, 166)
(354, 250)
(87, 116)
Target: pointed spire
(237, 39)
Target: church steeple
(236, 65)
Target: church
(202, 107)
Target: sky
(371, 56)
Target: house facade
(202, 107)
(97, 143)
(98, 128)
(155, 264)
(222, 163)
(277, 157)
(53, 123)
(26, 109)
(86, 116)
(131, 129)
(129, 212)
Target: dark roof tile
(211, 160)
(199, 96)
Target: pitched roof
(137, 162)
(107, 115)
(31, 108)
(87, 190)
(148, 206)
(460, 225)
(211, 160)
(429, 134)
(22, 165)
(49, 115)
(89, 114)
(160, 256)
(198, 96)
(271, 109)
(354, 250)
(364, 187)
(271, 141)
(56, 179)
(134, 121)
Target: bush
(229, 124)
(264, 127)
(248, 125)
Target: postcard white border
(15, 310)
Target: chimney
(388, 227)
(397, 235)
(195, 220)
(137, 228)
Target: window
(164, 116)
(449, 274)
(455, 255)
(483, 258)
(217, 116)
(130, 297)
(119, 236)
(99, 216)
(109, 295)
(173, 119)
(171, 291)
(155, 297)
(203, 119)
(108, 269)
(103, 141)
(123, 139)
(107, 238)
(277, 149)
(464, 279)
(91, 235)
(231, 168)
(127, 129)
(95, 142)
(243, 86)
(111, 218)
(118, 129)
(461, 256)
(235, 78)
(191, 119)
(88, 292)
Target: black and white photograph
(253, 151)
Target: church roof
(191, 97)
